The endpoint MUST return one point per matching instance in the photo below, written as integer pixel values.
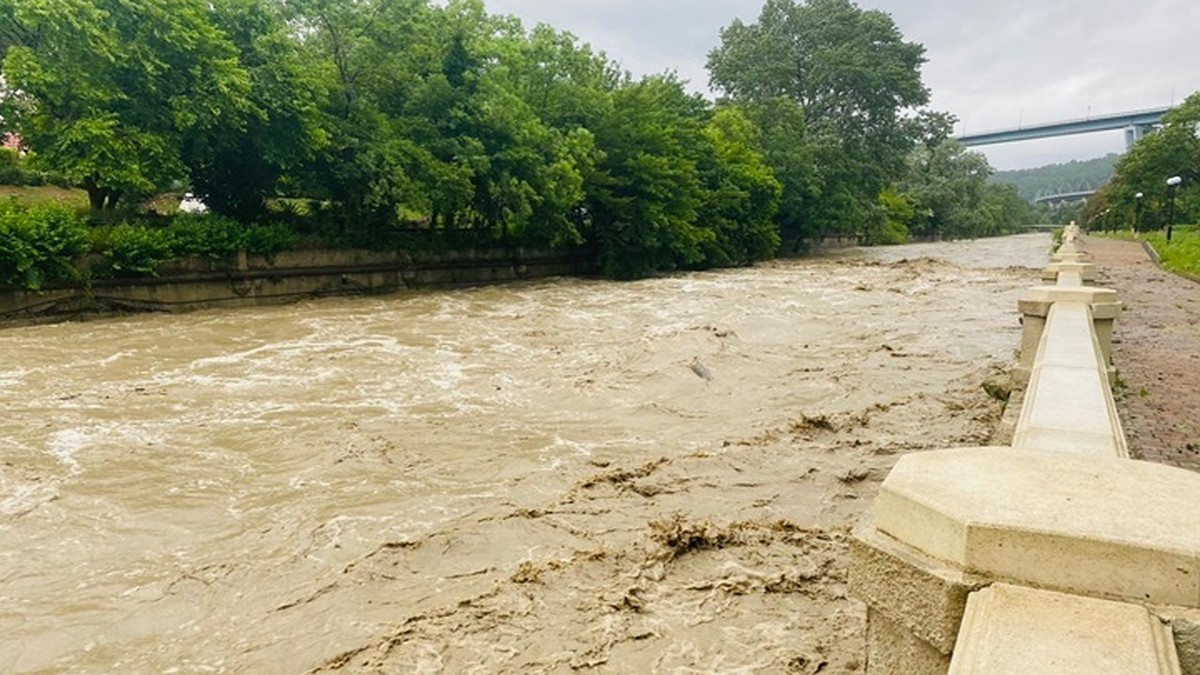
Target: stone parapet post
(1033, 323)
(1035, 307)
(1104, 314)
(1077, 258)
(1086, 271)
(915, 603)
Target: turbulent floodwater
(536, 477)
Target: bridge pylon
(1135, 133)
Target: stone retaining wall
(1057, 554)
(194, 283)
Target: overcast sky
(993, 63)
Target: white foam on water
(576, 447)
(231, 358)
(20, 499)
(12, 378)
(449, 374)
(65, 444)
(115, 357)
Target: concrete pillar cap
(1105, 527)
(1085, 294)
(1070, 257)
(1008, 630)
(1064, 265)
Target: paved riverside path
(1156, 348)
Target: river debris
(700, 370)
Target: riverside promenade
(1057, 554)
(1156, 345)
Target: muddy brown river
(555, 476)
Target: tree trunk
(95, 194)
(100, 198)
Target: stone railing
(1058, 554)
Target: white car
(191, 204)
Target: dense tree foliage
(367, 121)
(109, 91)
(949, 186)
(1171, 151)
(235, 165)
(854, 76)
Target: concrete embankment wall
(191, 284)
(1056, 554)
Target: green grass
(32, 196)
(1121, 235)
(1182, 254)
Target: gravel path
(1156, 347)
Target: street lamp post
(1137, 213)
(1172, 184)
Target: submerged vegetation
(382, 121)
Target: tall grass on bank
(28, 195)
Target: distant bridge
(1064, 197)
(1136, 124)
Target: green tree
(947, 182)
(563, 92)
(645, 195)
(1174, 150)
(742, 194)
(565, 83)
(792, 157)
(514, 133)
(233, 167)
(370, 56)
(854, 76)
(1007, 208)
(899, 211)
(106, 91)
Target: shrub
(216, 237)
(39, 244)
(10, 168)
(16, 169)
(269, 239)
(134, 249)
(207, 236)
